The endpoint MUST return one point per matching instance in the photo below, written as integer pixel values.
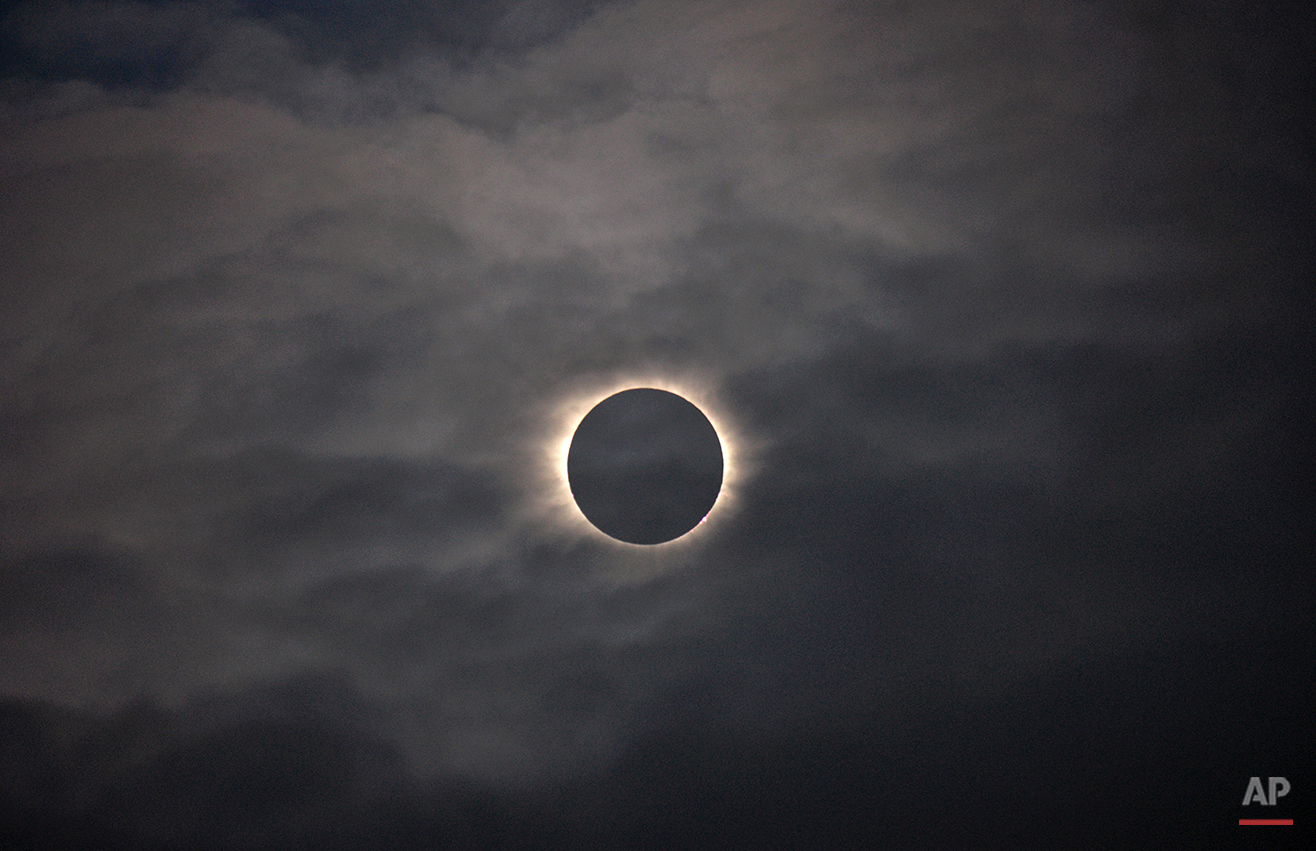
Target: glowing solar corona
(567, 418)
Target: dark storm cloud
(1001, 307)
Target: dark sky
(1000, 308)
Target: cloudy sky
(1000, 308)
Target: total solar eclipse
(645, 466)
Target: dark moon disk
(645, 466)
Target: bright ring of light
(567, 416)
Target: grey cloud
(162, 775)
(389, 501)
(312, 517)
(73, 589)
(95, 621)
(1002, 304)
(673, 788)
(439, 653)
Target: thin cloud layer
(998, 305)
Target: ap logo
(1279, 787)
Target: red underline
(1265, 821)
